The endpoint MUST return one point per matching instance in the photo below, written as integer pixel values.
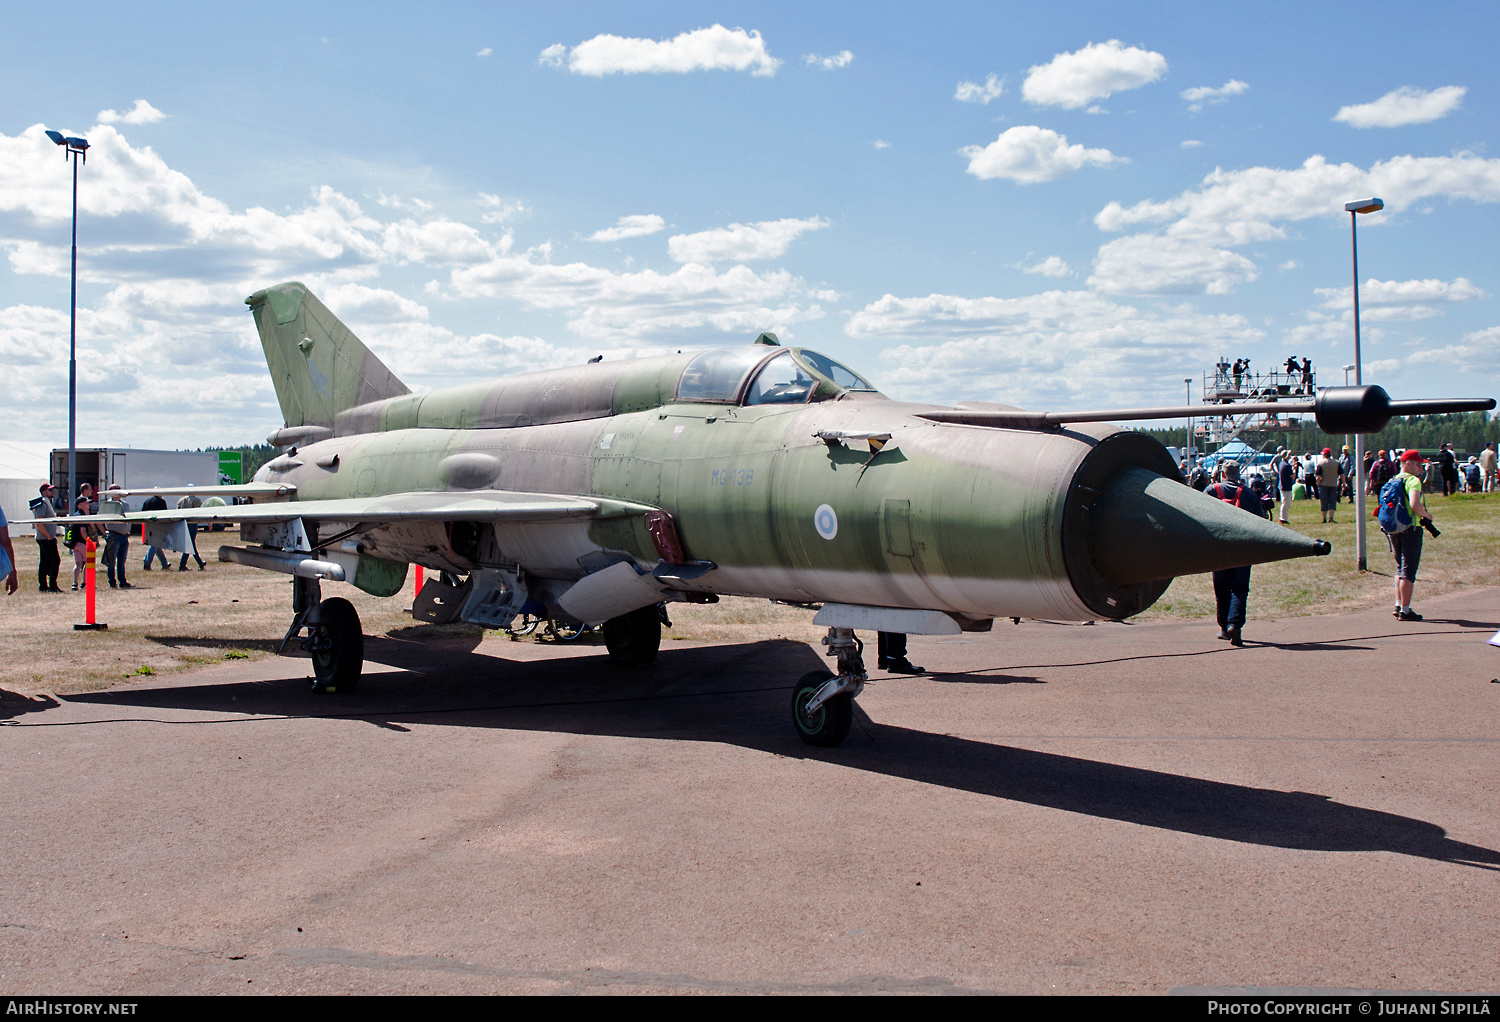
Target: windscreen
(841, 375)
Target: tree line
(256, 455)
(1468, 432)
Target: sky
(1054, 206)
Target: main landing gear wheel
(634, 638)
(566, 631)
(830, 725)
(338, 647)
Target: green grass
(1467, 555)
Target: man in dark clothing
(1232, 586)
(891, 653)
(1448, 464)
(155, 503)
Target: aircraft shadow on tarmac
(738, 694)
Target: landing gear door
(496, 597)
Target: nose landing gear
(822, 702)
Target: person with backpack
(1400, 513)
(77, 536)
(1232, 586)
(1381, 471)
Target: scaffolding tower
(1235, 383)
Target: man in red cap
(1407, 544)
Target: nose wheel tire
(338, 647)
(830, 724)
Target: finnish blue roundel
(826, 522)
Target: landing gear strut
(334, 637)
(822, 702)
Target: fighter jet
(595, 493)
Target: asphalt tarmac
(1057, 808)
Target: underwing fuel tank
(1130, 526)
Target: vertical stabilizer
(318, 367)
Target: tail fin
(318, 367)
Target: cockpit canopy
(752, 376)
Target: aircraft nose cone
(1147, 527)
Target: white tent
(23, 468)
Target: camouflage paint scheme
(975, 521)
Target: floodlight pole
(1354, 208)
(1190, 449)
(76, 149)
(72, 496)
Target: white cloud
(1150, 264)
(1190, 143)
(485, 52)
(174, 265)
(1402, 292)
(623, 307)
(1386, 300)
(141, 113)
(1406, 105)
(768, 239)
(973, 92)
(1057, 349)
(633, 226)
(397, 202)
(714, 48)
(1072, 80)
(1207, 95)
(1290, 264)
(1052, 266)
(843, 58)
(1029, 155)
(439, 241)
(355, 303)
(1240, 206)
(1475, 355)
(881, 143)
(498, 210)
(170, 215)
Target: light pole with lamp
(1191, 448)
(1352, 208)
(74, 149)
